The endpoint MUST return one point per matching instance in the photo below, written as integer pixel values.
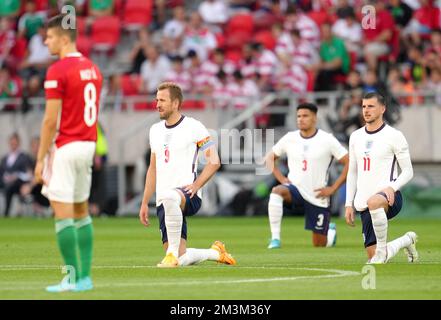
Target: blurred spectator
(309, 30)
(269, 13)
(30, 21)
(416, 62)
(342, 8)
(178, 74)
(222, 92)
(9, 87)
(242, 5)
(112, 88)
(14, 170)
(9, 8)
(247, 66)
(137, 54)
(242, 91)
(173, 31)
(96, 201)
(334, 60)
(434, 84)
(292, 78)
(203, 74)
(153, 70)
(214, 13)
(266, 63)
(404, 91)
(221, 63)
(198, 37)
(372, 84)
(7, 40)
(376, 40)
(33, 68)
(100, 8)
(29, 191)
(349, 29)
(435, 43)
(294, 48)
(401, 12)
(424, 20)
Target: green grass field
(126, 255)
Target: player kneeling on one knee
(310, 152)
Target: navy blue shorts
(316, 218)
(192, 206)
(369, 237)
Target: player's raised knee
(280, 190)
(376, 201)
(172, 197)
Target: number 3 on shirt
(367, 164)
(90, 104)
(305, 165)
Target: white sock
(275, 213)
(379, 223)
(193, 256)
(173, 221)
(394, 246)
(331, 236)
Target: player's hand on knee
(390, 195)
(285, 181)
(191, 189)
(324, 192)
(144, 215)
(350, 216)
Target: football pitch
(126, 254)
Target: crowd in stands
(236, 48)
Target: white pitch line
(335, 273)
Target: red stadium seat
(130, 87)
(193, 104)
(233, 55)
(266, 38)
(137, 14)
(81, 26)
(237, 39)
(105, 33)
(240, 23)
(84, 45)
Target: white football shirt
(176, 149)
(373, 158)
(309, 160)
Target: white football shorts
(68, 172)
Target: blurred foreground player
(310, 152)
(175, 143)
(72, 86)
(373, 182)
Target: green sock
(67, 243)
(85, 242)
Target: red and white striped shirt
(295, 79)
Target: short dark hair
(57, 22)
(307, 105)
(374, 94)
(174, 90)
